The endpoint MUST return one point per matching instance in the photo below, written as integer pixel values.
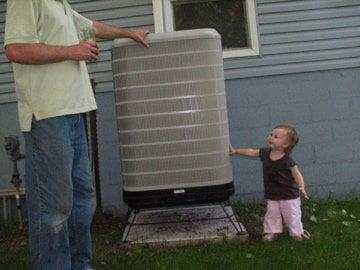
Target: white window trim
(163, 22)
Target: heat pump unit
(172, 119)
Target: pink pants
(287, 212)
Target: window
(235, 20)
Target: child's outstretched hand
(232, 150)
(303, 192)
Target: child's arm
(249, 152)
(299, 179)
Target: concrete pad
(183, 225)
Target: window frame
(163, 22)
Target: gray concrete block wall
(324, 108)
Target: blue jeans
(60, 193)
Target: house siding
(302, 36)
(306, 76)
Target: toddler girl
(283, 183)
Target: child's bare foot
(269, 237)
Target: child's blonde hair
(292, 135)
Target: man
(53, 90)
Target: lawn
(335, 244)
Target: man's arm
(106, 31)
(41, 53)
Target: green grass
(335, 244)
(13, 248)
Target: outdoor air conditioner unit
(172, 119)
